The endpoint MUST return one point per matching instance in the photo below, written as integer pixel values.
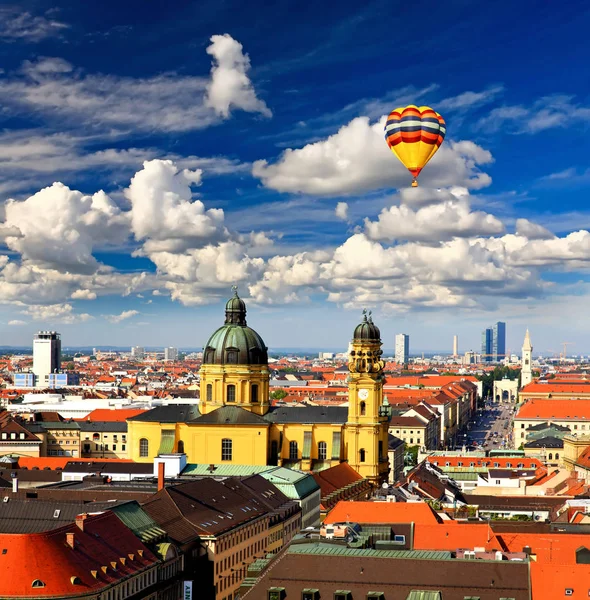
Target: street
(491, 427)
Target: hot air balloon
(414, 134)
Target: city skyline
(224, 150)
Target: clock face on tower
(363, 394)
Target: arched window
(293, 451)
(180, 447)
(362, 455)
(322, 451)
(231, 393)
(254, 393)
(274, 452)
(550, 455)
(209, 355)
(226, 449)
(363, 409)
(144, 447)
(209, 392)
(232, 357)
(557, 456)
(37, 583)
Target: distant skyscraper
(455, 345)
(499, 341)
(526, 374)
(402, 348)
(46, 356)
(171, 353)
(137, 352)
(486, 345)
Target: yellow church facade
(235, 422)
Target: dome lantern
(367, 330)
(235, 309)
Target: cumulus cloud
(83, 295)
(126, 314)
(165, 102)
(532, 231)
(163, 212)
(356, 160)
(229, 85)
(59, 227)
(16, 322)
(449, 218)
(56, 313)
(342, 211)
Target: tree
(278, 394)
(496, 375)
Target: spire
(527, 342)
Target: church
(235, 422)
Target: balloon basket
(414, 183)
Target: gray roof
(546, 425)
(172, 413)
(230, 415)
(82, 466)
(34, 516)
(307, 414)
(115, 426)
(546, 442)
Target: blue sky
(153, 155)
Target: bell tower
(526, 373)
(368, 418)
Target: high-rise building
(402, 348)
(46, 356)
(455, 345)
(499, 341)
(486, 344)
(170, 353)
(526, 374)
(137, 352)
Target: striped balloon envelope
(414, 134)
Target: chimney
(70, 540)
(80, 521)
(161, 471)
(15, 485)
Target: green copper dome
(235, 343)
(367, 330)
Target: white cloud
(163, 213)
(357, 159)
(229, 85)
(56, 313)
(431, 224)
(469, 99)
(16, 24)
(126, 314)
(548, 112)
(341, 211)
(532, 231)
(165, 102)
(59, 227)
(83, 295)
(16, 322)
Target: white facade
(455, 345)
(402, 348)
(46, 356)
(137, 352)
(171, 353)
(526, 374)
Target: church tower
(368, 418)
(526, 374)
(235, 365)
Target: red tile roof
(47, 557)
(382, 512)
(112, 415)
(551, 387)
(554, 409)
(59, 462)
(454, 536)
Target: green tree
(496, 375)
(278, 394)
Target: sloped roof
(114, 414)
(383, 512)
(545, 442)
(230, 415)
(554, 409)
(171, 413)
(307, 414)
(48, 558)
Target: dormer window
(4, 436)
(37, 583)
(232, 356)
